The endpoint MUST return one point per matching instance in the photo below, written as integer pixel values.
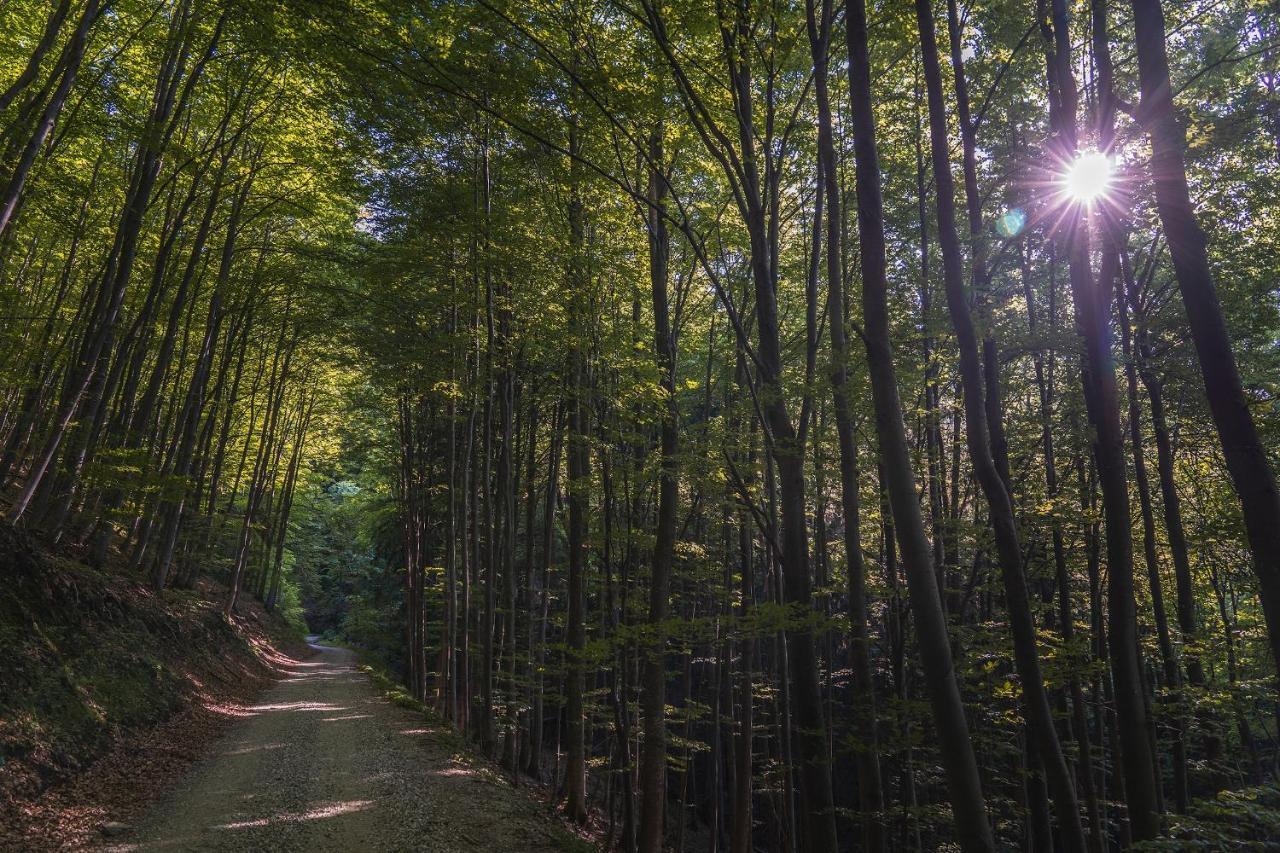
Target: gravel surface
(322, 762)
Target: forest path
(321, 761)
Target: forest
(758, 425)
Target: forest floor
(322, 761)
(109, 692)
(136, 721)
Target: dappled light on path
(297, 706)
(316, 813)
(322, 762)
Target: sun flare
(1088, 177)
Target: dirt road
(323, 762)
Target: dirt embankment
(108, 691)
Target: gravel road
(322, 762)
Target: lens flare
(1011, 223)
(1088, 177)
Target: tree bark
(964, 784)
(870, 794)
(653, 754)
(1026, 655)
(1247, 460)
(1092, 309)
(69, 62)
(579, 497)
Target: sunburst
(1088, 178)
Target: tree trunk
(967, 804)
(870, 795)
(653, 754)
(1247, 460)
(69, 62)
(579, 498)
(1102, 405)
(1035, 699)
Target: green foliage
(1240, 820)
(409, 194)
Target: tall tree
(1040, 725)
(1247, 459)
(1092, 312)
(968, 806)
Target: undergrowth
(395, 693)
(90, 655)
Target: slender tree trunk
(70, 61)
(1168, 656)
(286, 507)
(536, 720)
(1044, 375)
(870, 795)
(786, 448)
(52, 28)
(967, 804)
(1247, 459)
(1102, 404)
(579, 497)
(653, 754)
(1035, 699)
(741, 829)
(257, 485)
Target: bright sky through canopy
(1088, 177)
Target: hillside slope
(108, 691)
